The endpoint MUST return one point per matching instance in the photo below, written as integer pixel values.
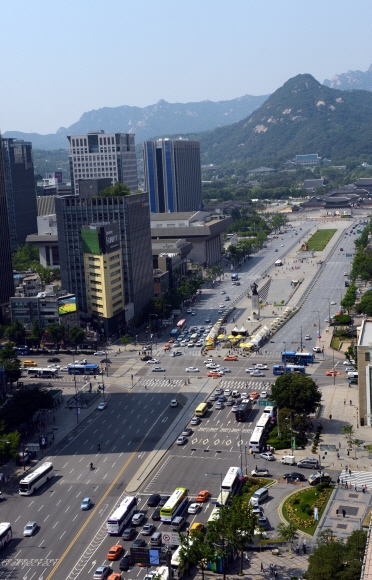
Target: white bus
(215, 515)
(5, 534)
(223, 498)
(232, 480)
(42, 373)
(263, 422)
(179, 569)
(257, 439)
(33, 480)
(160, 573)
(121, 516)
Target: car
(214, 374)
(349, 369)
(243, 395)
(319, 477)
(173, 403)
(64, 369)
(341, 249)
(147, 529)
(199, 343)
(156, 515)
(257, 510)
(317, 349)
(307, 337)
(196, 527)
(223, 292)
(30, 529)
(261, 367)
(220, 311)
(171, 341)
(227, 297)
(218, 405)
(222, 398)
(352, 361)
(282, 245)
(191, 344)
(211, 365)
(225, 369)
(99, 353)
(202, 496)
(183, 343)
(254, 395)
(138, 517)
(166, 347)
(128, 533)
(346, 362)
(227, 392)
(260, 472)
(115, 576)
(193, 313)
(102, 572)
(235, 408)
(346, 274)
(235, 394)
(54, 360)
(257, 373)
(262, 522)
(105, 360)
(177, 352)
(187, 432)
(102, 406)
(126, 562)
(268, 456)
(176, 344)
(276, 249)
(153, 361)
(263, 395)
(333, 303)
(294, 475)
(192, 370)
(181, 440)
(54, 366)
(85, 504)
(146, 358)
(218, 391)
(195, 421)
(193, 508)
(332, 373)
(153, 500)
(202, 328)
(220, 306)
(139, 543)
(213, 398)
(230, 402)
(114, 552)
(158, 370)
(230, 357)
(189, 311)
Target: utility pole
(301, 347)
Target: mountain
(353, 79)
(302, 116)
(146, 122)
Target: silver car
(30, 529)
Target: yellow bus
(201, 410)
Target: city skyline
(221, 54)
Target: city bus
(181, 324)
(243, 410)
(22, 350)
(5, 533)
(121, 516)
(33, 480)
(88, 369)
(293, 357)
(175, 332)
(278, 369)
(232, 481)
(215, 515)
(178, 568)
(201, 410)
(257, 439)
(223, 498)
(174, 504)
(295, 369)
(42, 373)
(263, 422)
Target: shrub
(322, 486)
(305, 507)
(296, 501)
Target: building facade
(131, 213)
(173, 175)
(47, 240)
(104, 277)
(98, 154)
(6, 269)
(45, 309)
(20, 189)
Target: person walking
(349, 471)
(262, 568)
(343, 513)
(304, 546)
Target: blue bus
(83, 369)
(298, 358)
(278, 369)
(295, 369)
(22, 350)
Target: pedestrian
(338, 481)
(271, 569)
(336, 512)
(339, 445)
(304, 546)
(343, 513)
(262, 568)
(344, 401)
(298, 550)
(256, 467)
(338, 455)
(275, 574)
(350, 402)
(349, 471)
(330, 417)
(363, 489)
(348, 452)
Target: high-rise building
(173, 175)
(20, 189)
(131, 214)
(6, 268)
(99, 154)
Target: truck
(288, 460)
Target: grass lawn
(335, 343)
(303, 521)
(320, 239)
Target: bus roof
(121, 508)
(181, 322)
(174, 498)
(30, 476)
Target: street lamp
(150, 328)
(319, 336)
(285, 357)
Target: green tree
(9, 444)
(196, 553)
(278, 221)
(16, 332)
(348, 301)
(116, 190)
(287, 532)
(126, 339)
(296, 392)
(365, 305)
(368, 448)
(218, 534)
(37, 333)
(22, 407)
(241, 525)
(25, 257)
(10, 362)
(327, 562)
(76, 335)
(348, 432)
(56, 332)
(352, 353)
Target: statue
(254, 289)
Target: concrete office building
(45, 308)
(20, 189)
(173, 175)
(364, 350)
(104, 277)
(131, 213)
(47, 240)
(6, 268)
(99, 154)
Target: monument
(255, 314)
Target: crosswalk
(161, 383)
(358, 478)
(236, 385)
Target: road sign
(170, 538)
(148, 556)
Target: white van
(259, 496)
(288, 460)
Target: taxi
(332, 373)
(29, 363)
(114, 552)
(166, 347)
(214, 374)
(230, 357)
(254, 395)
(196, 527)
(202, 496)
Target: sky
(59, 59)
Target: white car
(199, 343)
(99, 353)
(174, 403)
(183, 343)
(227, 392)
(193, 508)
(350, 369)
(257, 373)
(192, 370)
(209, 360)
(243, 395)
(333, 303)
(153, 361)
(211, 366)
(64, 369)
(235, 394)
(307, 337)
(195, 421)
(263, 395)
(102, 406)
(268, 456)
(261, 367)
(218, 405)
(346, 362)
(223, 292)
(158, 370)
(193, 313)
(250, 370)
(181, 440)
(54, 367)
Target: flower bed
(299, 507)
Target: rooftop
(365, 336)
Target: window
(116, 288)
(117, 296)
(367, 356)
(114, 265)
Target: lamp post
(319, 336)
(150, 315)
(285, 357)
(76, 398)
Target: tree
(348, 300)
(25, 257)
(348, 432)
(36, 333)
(197, 553)
(368, 448)
(76, 335)
(327, 562)
(126, 339)
(241, 525)
(287, 532)
(278, 221)
(56, 332)
(296, 392)
(23, 405)
(365, 305)
(116, 190)
(16, 332)
(352, 353)
(10, 362)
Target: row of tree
(16, 333)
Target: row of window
(94, 164)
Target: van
(288, 460)
(29, 363)
(178, 523)
(201, 410)
(259, 496)
(155, 539)
(308, 462)
(353, 375)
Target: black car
(156, 515)
(145, 358)
(294, 475)
(139, 544)
(105, 360)
(129, 533)
(54, 359)
(153, 500)
(125, 563)
(163, 500)
(209, 404)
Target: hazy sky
(59, 59)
